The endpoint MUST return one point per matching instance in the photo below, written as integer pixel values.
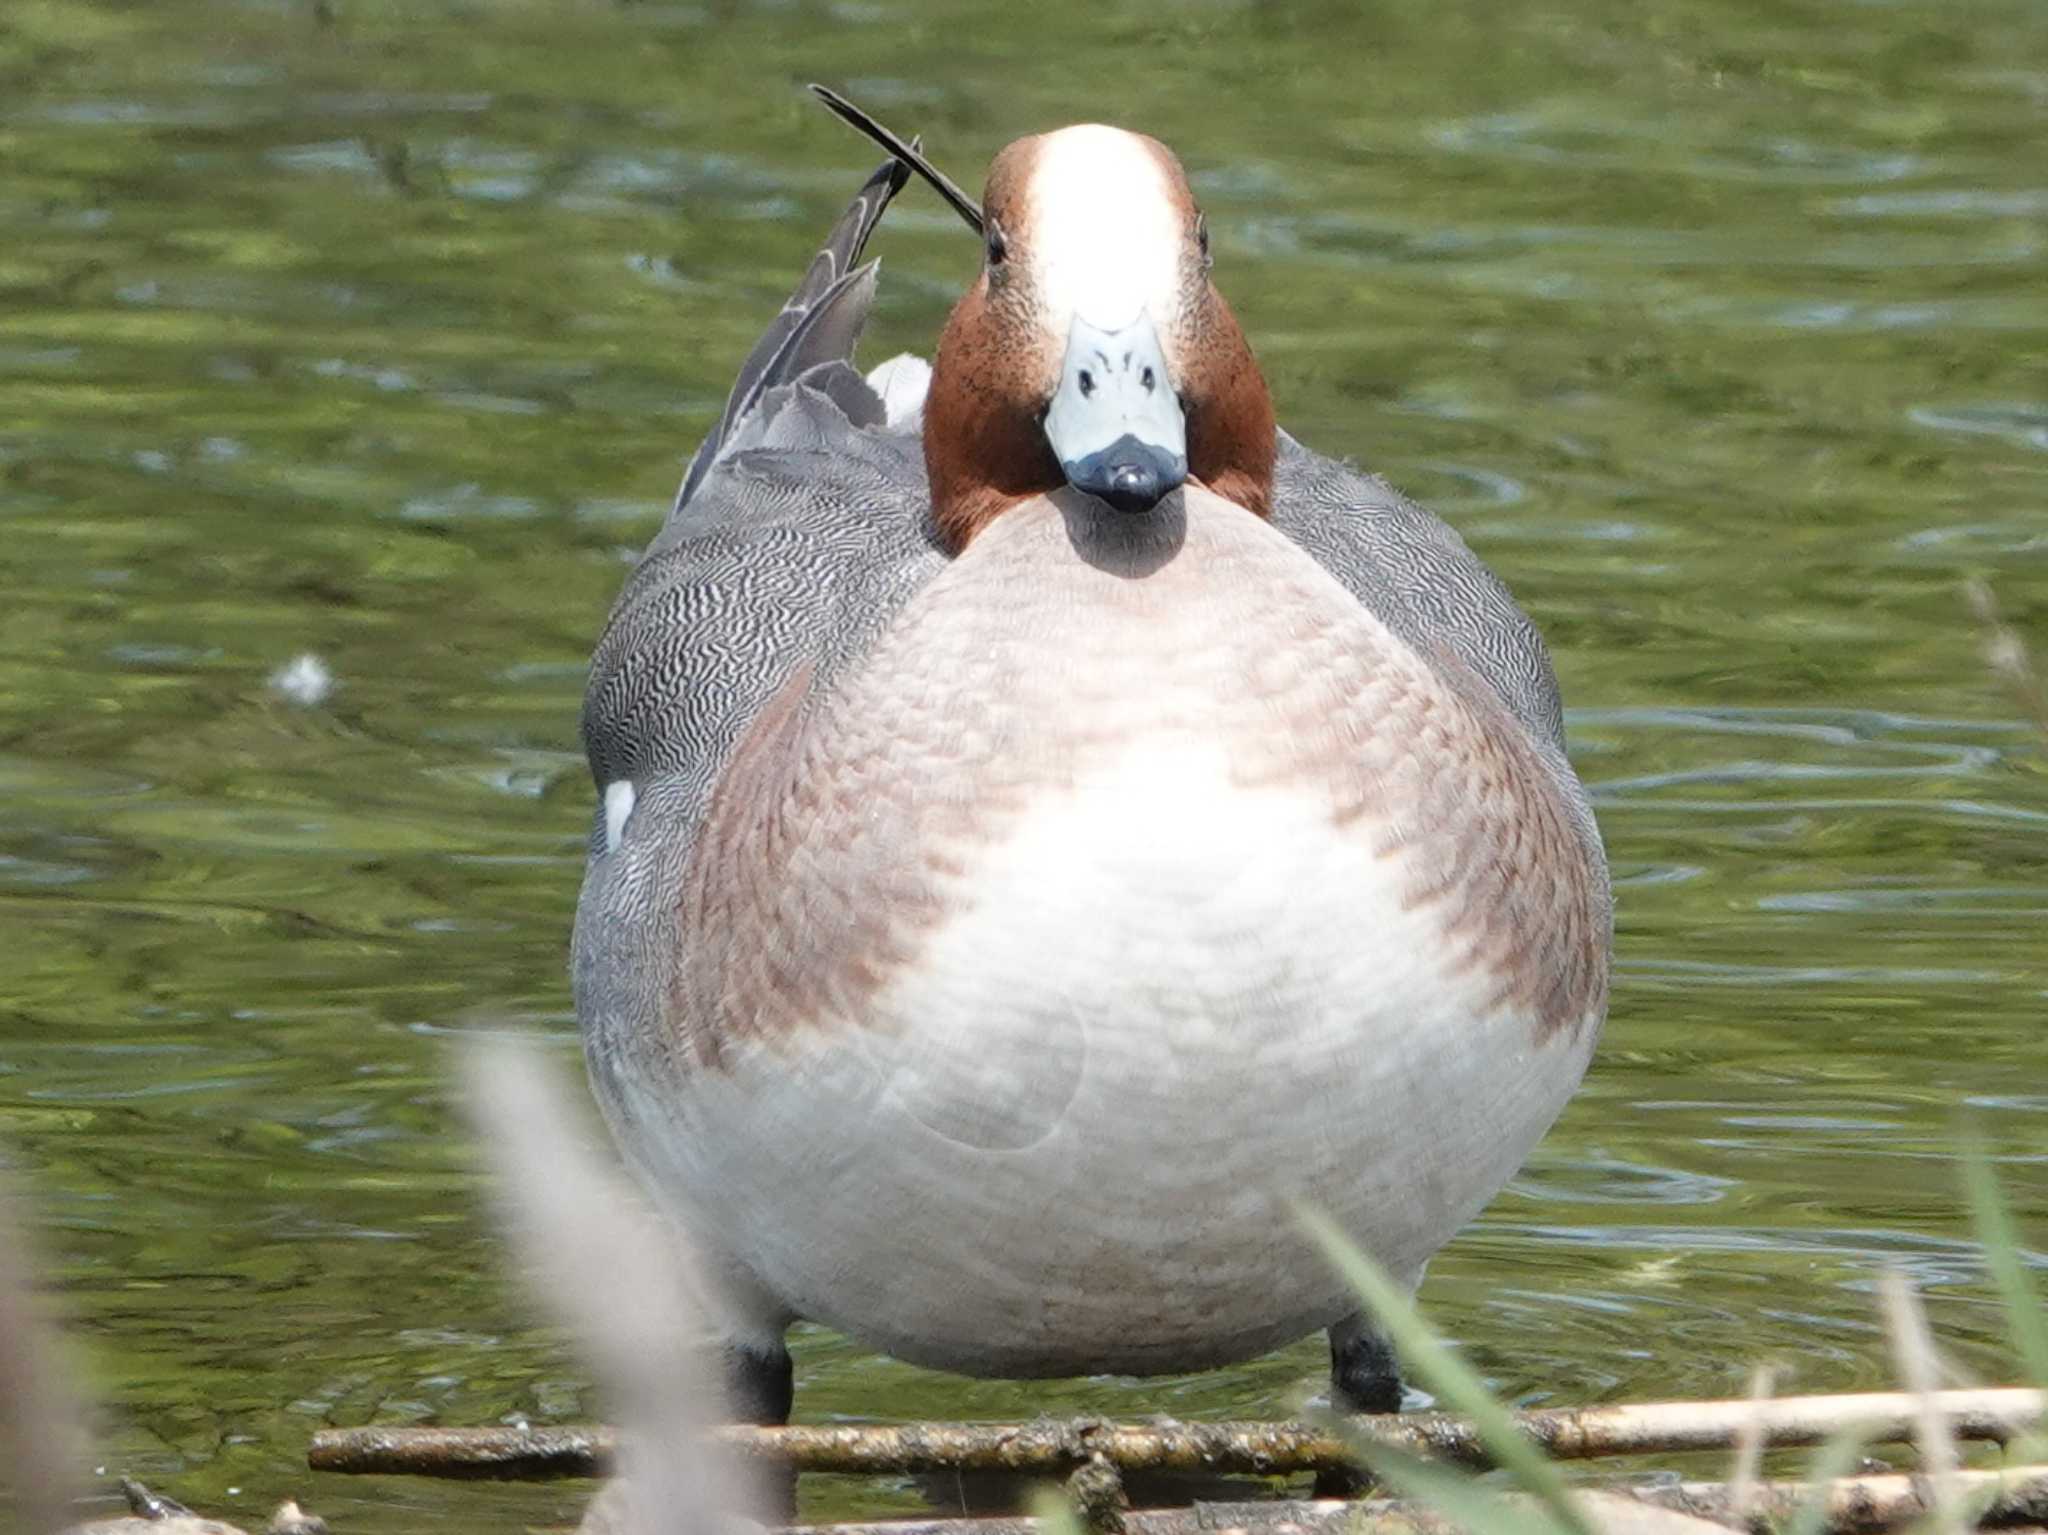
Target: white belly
(1064, 1138)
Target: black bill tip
(1130, 475)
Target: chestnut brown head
(1093, 350)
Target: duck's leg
(760, 1380)
(760, 1385)
(1364, 1375)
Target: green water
(1717, 327)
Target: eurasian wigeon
(1050, 819)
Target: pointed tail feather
(820, 323)
(911, 154)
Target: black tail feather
(910, 154)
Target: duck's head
(1092, 350)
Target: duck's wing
(1413, 571)
(801, 529)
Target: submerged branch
(1608, 1513)
(1883, 1502)
(1258, 1449)
(1855, 1504)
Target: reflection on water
(385, 341)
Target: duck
(1052, 825)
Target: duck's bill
(1115, 423)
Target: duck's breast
(1137, 878)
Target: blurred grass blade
(1446, 1374)
(41, 1426)
(1054, 1513)
(629, 1286)
(1912, 1343)
(1835, 1459)
(2006, 654)
(1749, 1443)
(2000, 1240)
(1467, 1503)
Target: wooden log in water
(1257, 1449)
(1864, 1503)
(1856, 1505)
(494, 1454)
(1608, 1513)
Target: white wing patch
(618, 807)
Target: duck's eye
(998, 247)
(1202, 233)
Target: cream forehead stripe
(1105, 228)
